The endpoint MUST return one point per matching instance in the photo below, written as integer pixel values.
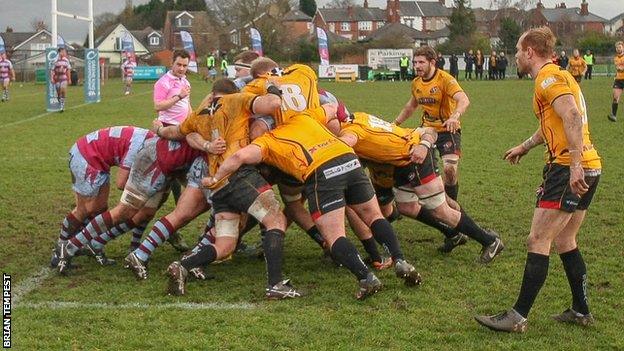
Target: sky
(19, 14)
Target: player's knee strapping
(264, 204)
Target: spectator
(577, 66)
(224, 65)
(501, 65)
(440, 61)
(492, 66)
(479, 62)
(469, 59)
(589, 61)
(454, 70)
(404, 65)
(563, 60)
(210, 64)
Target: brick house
(566, 20)
(202, 28)
(352, 22)
(426, 16)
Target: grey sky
(20, 13)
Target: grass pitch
(107, 309)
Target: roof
(296, 16)
(358, 14)
(617, 18)
(571, 14)
(394, 30)
(197, 15)
(143, 37)
(424, 9)
(12, 39)
(484, 15)
(106, 33)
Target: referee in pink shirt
(173, 104)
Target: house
(615, 26)
(109, 44)
(297, 23)
(203, 29)
(567, 20)
(352, 22)
(153, 40)
(420, 15)
(27, 49)
(404, 33)
(488, 21)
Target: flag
(256, 41)
(323, 48)
(1, 45)
(127, 46)
(187, 42)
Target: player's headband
(242, 65)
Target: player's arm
(514, 154)
(407, 111)
(452, 124)
(12, 73)
(249, 155)
(348, 137)
(168, 132)
(122, 178)
(266, 104)
(196, 141)
(565, 107)
(419, 152)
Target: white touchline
(67, 109)
(29, 284)
(56, 305)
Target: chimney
(393, 9)
(350, 11)
(365, 4)
(539, 4)
(584, 8)
(443, 2)
(563, 5)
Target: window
(380, 24)
(39, 46)
(154, 40)
(345, 26)
(184, 22)
(332, 27)
(365, 25)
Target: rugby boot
(490, 251)
(178, 243)
(386, 262)
(612, 118)
(100, 256)
(368, 286)
(407, 272)
(199, 274)
(136, 265)
(507, 321)
(56, 253)
(452, 243)
(573, 317)
(177, 279)
(282, 290)
(64, 263)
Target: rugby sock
(424, 216)
(102, 239)
(273, 246)
(370, 246)
(315, 234)
(345, 253)
(205, 255)
(535, 272)
(576, 272)
(100, 224)
(385, 235)
(452, 190)
(467, 226)
(206, 239)
(161, 231)
(69, 227)
(176, 190)
(614, 107)
(137, 234)
(62, 101)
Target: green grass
(36, 194)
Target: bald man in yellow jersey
(443, 102)
(333, 178)
(571, 176)
(416, 180)
(224, 116)
(618, 84)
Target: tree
(338, 4)
(509, 33)
(38, 24)
(463, 22)
(308, 7)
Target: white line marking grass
(61, 305)
(30, 284)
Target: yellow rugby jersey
(552, 82)
(380, 141)
(300, 147)
(435, 96)
(299, 87)
(619, 61)
(228, 118)
(576, 66)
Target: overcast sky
(19, 14)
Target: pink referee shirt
(167, 86)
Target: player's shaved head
(540, 39)
(224, 86)
(246, 57)
(262, 65)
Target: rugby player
(242, 68)
(7, 74)
(333, 177)
(61, 77)
(571, 176)
(577, 66)
(416, 181)
(154, 167)
(618, 84)
(127, 69)
(443, 102)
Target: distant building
(203, 29)
(352, 22)
(109, 44)
(27, 49)
(400, 31)
(425, 16)
(615, 26)
(565, 20)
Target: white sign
(329, 71)
(387, 58)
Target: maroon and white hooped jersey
(61, 69)
(5, 69)
(128, 68)
(114, 146)
(172, 155)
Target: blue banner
(256, 41)
(52, 102)
(91, 76)
(1, 44)
(149, 72)
(187, 41)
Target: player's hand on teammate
(514, 154)
(452, 124)
(184, 92)
(419, 152)
(155, 125)
(577, 180)
(209, 182)
(217, 147)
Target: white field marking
(67, 109)
(59, 305)
(31, 283)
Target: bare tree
(38, 24)
(340, 3)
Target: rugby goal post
(55, 12)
